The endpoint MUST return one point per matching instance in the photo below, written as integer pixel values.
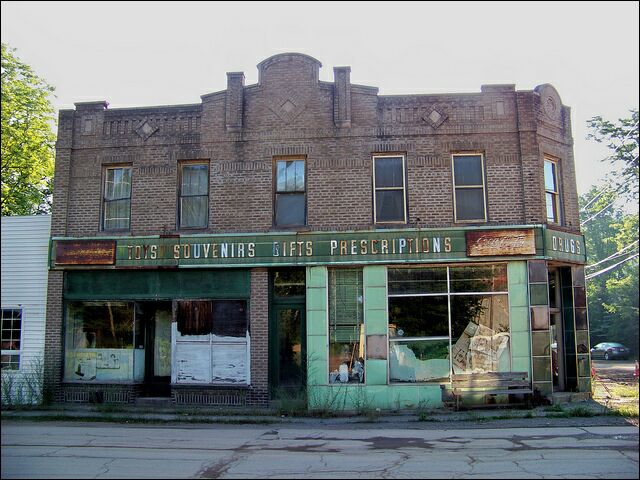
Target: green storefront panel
(156, 284)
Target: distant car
(610, 351)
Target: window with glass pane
(417, 280)
(485, 278)
(11, 337)
(551, 191)
(434, 311)
(480, 333)
(194, 195)
(468, 179)
(419, 361)
(389, 189)
(289, 283)
(290, 197)
(346, 326)
(99, 342)
(117, 199)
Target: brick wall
(259, 311)
(289, 112)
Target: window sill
(288, 229)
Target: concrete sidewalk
(574, 414)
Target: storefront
(378, 318)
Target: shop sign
(500, 242)
(565, 246)
(313, 248)
(83, 252)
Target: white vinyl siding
(25, 243)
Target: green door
(289, 365)
(287, 332)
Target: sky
(168, 53)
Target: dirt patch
(615, 386)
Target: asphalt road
(64, 450)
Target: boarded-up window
(212, 342)
(230, 318)
(195, 318)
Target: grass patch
(626, 411)
(625, 391)
(581, 412)
(555, 408)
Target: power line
(617, 254)
(631, 130)
(594, 216)
(603, 209)
(600, 272)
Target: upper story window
(552, 192)
(11, 338)
(469, 202)
(389, 197)
(290, 198)
(117, 199)
(193, 204)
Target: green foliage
(27, 139)
(622, 139)
(613, 295)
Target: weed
(423, 411)
(555, 408)
(626, 411)
(581, 411)
(291, 402)
(24, 387)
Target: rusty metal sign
(85, 252)
(500, 242)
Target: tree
(27, 138)
(611, 234)
(611, 237)
(622, 139)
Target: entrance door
(289, 368)
(287, 332)
(156, 320)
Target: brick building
(310, 235)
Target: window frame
(375, 189)
(449, 294)
(104, 201)
(212, 341)
(556, 194)
(295, 192)
(469, 187)
(360, 272)
(181, 165)
(19, 351)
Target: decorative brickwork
(336, 127)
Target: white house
(25, 246)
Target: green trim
(384, 246)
